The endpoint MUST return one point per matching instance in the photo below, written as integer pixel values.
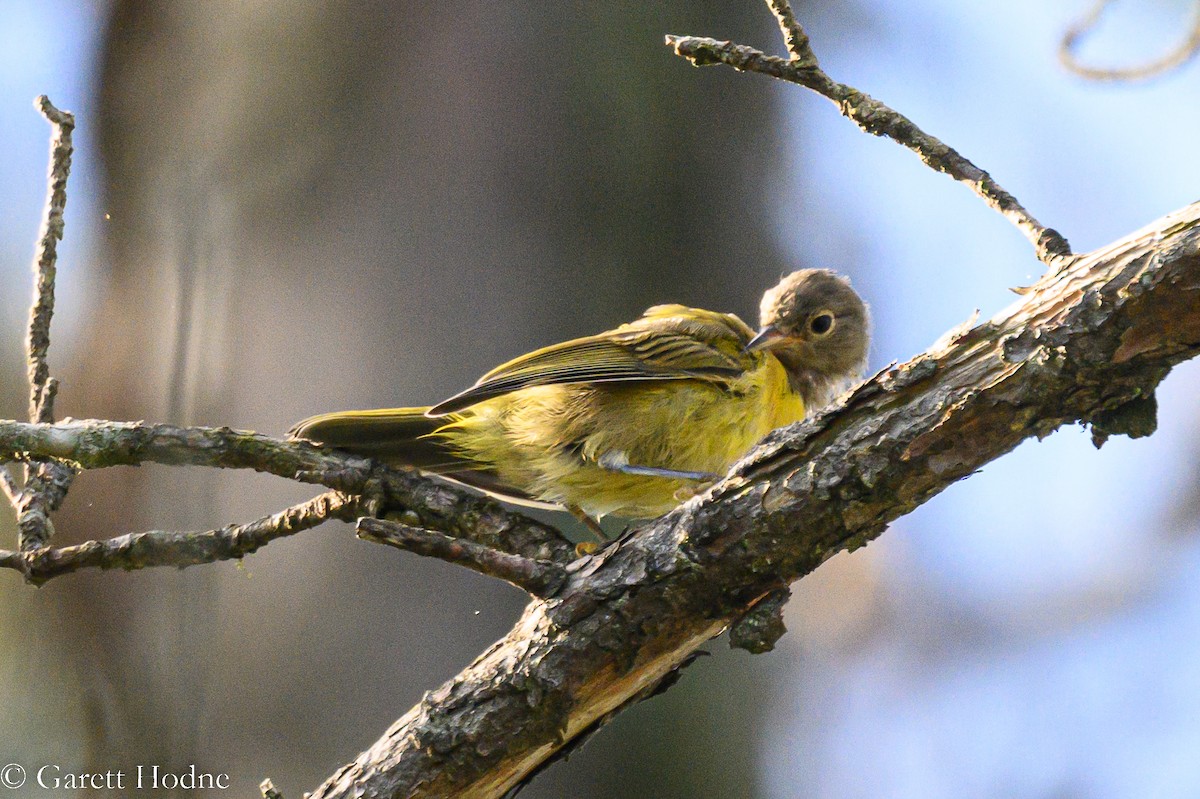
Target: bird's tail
(397, 436)
(407, 437)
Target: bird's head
(819, 329)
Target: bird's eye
(821, 324)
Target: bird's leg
(593, 526)
(619, 462)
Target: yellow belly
(546, 441)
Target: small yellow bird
(632, 421)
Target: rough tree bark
(1089, 342)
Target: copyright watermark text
(53, 777)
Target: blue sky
(45, 48)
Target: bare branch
(179, 549)
(1175, 58)
(46, 484)
(8, 485)
(877, 119)
(436, 505)
(46, 257)
(793, 34)
(540, 578)
(268, 790)
(1083, 341)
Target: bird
(632, 421)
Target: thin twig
(268, 790)
(793, 34)
(9, 485)
(871, 116)
(46, 256)
(46, 484)
(1176, 57)
(540, 578)
(437, 505)
(179, 549)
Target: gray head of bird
(819, 329)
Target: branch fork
(872, 117)
(46, 482)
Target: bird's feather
(669, 342)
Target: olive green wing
(669, 342)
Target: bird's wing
(669, 342)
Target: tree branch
(179, 549)
(793, 34)
(46, 484)
(1176, 57)
(540, 578)
(8, 486)
(433, 504)
(45, 488)
(871, 116)
(46, 257)
(1083, 341)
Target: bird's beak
(768, 337)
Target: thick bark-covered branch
(1087, 343)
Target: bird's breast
(549, 440)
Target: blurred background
(281, 208)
